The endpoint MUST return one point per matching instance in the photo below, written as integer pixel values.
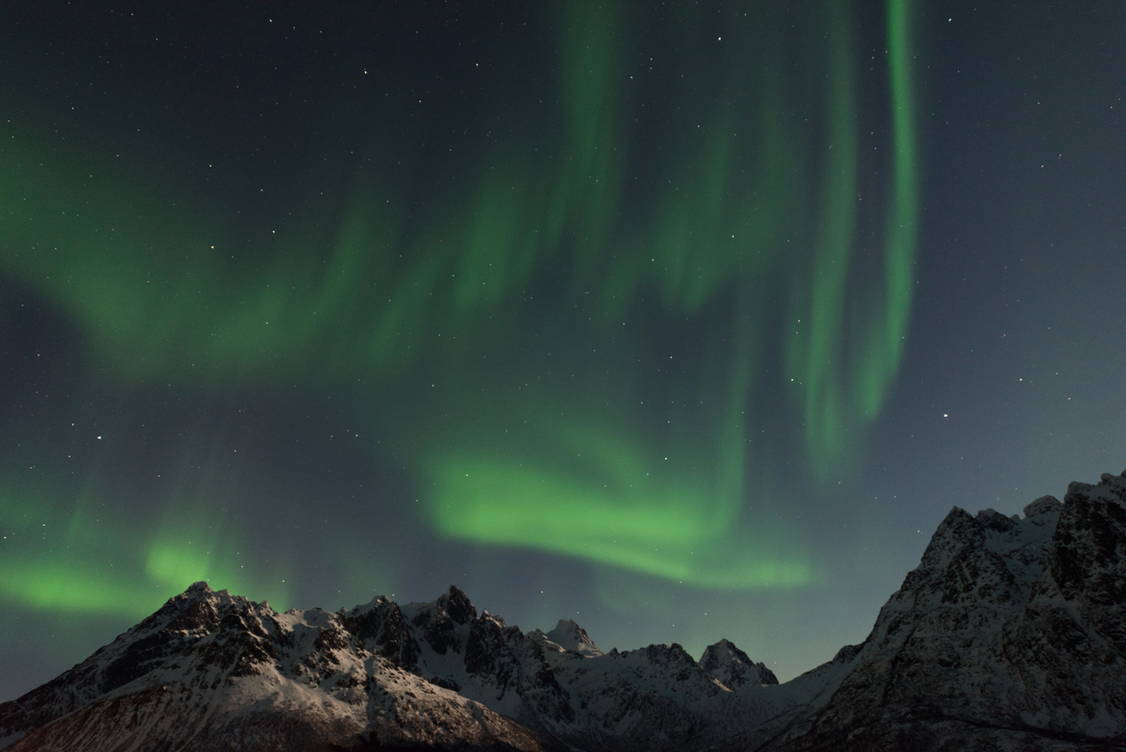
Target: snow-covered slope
(570, 636)
(731, 667)
(212, 671)
(1010, 635)
(215, 671)
(563, 686)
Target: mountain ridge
(1010, 634)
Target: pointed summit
(1043, 510)
(570, 636)
(733, 668)
(457, 604)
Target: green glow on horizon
(51, 586)
(71, 549)
(506, 335)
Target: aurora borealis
(691, 319)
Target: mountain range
(1009, 635)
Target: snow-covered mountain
(731, 667)
(1011, 634)
(212, 671)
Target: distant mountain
(731, 667)
(1010, 635)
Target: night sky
(682, 320)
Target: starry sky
(683, 320)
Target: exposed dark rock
(1011, 634)
(732, 667)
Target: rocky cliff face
(218, 671)
(1010, 635)
(564, 687)
(731, 667)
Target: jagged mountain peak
(1008, 635)
(1110, 488)
(570, 636)
(457, 604)
(197, 609)
(723, 650)
(1043, 509)
(375, 602)
(1014, 543)
(733, 668)
(994, 520)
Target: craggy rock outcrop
(1010, 635)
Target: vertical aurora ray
(499, 326)
(822, 410)
(901, 231)
(518, 504)
(588, 184)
